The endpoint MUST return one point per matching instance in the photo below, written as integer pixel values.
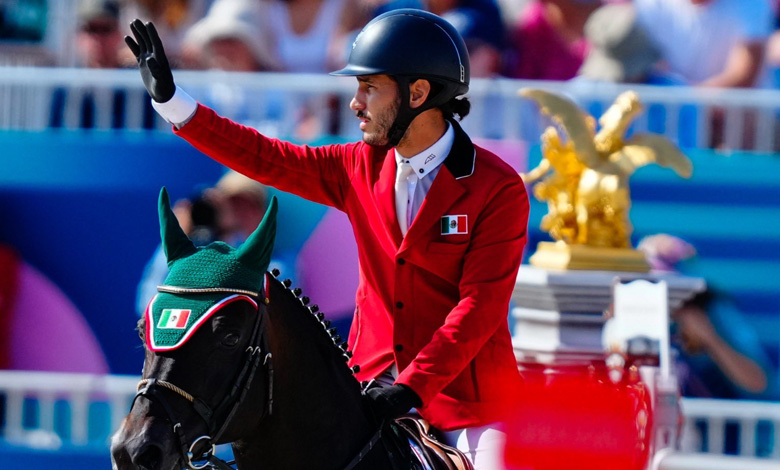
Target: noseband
(151, 388)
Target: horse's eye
(231, 339)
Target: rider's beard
(378, 127)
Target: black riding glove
(148, 51)
(391, 402)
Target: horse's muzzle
(145, 444)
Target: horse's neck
(317, 420)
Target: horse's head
(204, 377)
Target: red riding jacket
(434, 303)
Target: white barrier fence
(749, 428)
(313, 105)
(681, 461)
(29, 401)
(49, 410)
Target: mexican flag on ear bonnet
(176, 312)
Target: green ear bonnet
(204, 279)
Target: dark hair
(459, 105)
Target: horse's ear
(256, 250)
(175, 242)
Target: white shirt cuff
(178, 110)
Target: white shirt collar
(432, 157)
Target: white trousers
(484, 446)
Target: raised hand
(154, 67)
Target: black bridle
(257, 351)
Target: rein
(150, 388)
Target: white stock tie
(402, 195)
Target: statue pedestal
(559, 315)
(561, 256)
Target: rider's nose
(356, 105)
(149, 457)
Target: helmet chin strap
(406, 113)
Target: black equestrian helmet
(412, 44)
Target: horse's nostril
(150, 457)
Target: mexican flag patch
(454, 224)
(175, 318)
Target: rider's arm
(320, 174)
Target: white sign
(640, 309)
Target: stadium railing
(737, 119)
(741, 427)
(49, 410)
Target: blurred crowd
(715, 43)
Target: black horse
(264, 372)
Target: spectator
(312, 35)
(242, 203)
(720, 355)
(479, 23)
(620, 49)
(548, 42)
(98, 41)
(98, 44)
(713, 43)
(233, 36)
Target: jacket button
(401, 261)
(399, 347)
(399, 305)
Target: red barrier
(577, 418)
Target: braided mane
(324, 332)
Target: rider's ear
(175, 242)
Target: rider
(440, 223)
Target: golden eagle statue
(585, 178)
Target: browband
(205, 290)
